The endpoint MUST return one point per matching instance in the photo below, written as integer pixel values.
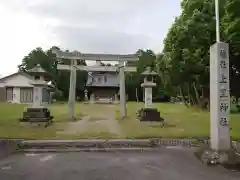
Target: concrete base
(229, 159)
(36, 124)
(37, 115)
(116, 102)
(101, 102)
(149, 114)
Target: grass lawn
(11, 128)
(181, 122)
(10, 113)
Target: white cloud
(19, 34)
(110, 26)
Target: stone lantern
(148, 85)
(37, 112)
(86, 95)
(149, 112)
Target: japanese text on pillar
(223, 89)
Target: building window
(105, 79)
(99, 79)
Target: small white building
(18, 88)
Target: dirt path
(100, 119)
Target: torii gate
(74, 56)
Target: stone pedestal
(116, 100)
(149, 114)
(37, 115)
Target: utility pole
(219, 91)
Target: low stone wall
(8, 147)
(115, 143)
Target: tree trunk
(183, 96)
(197, 94)
(190, 95)
(137, 95)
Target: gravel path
(98, 121)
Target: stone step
(116, 143)
(53, 150)
(85, 144)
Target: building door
(9, 93)
(26, 95)
(3, 94)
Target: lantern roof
(148, 72)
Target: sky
(88, 26)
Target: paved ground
(167, 164)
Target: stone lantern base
(149, 114)
(37, 115)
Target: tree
(134, 80)
(164, 86)
(48, 61)
(231, 23)
(185, 56)
(186, 50)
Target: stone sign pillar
(149, 112)
(220, 96)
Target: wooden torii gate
(74, 56)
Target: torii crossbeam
(74, 56)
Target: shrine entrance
(112, 81)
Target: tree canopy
(185, 58)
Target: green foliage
(37, 56)
(61, 79)
(231, 22)
(184, 63)
(147, 58)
